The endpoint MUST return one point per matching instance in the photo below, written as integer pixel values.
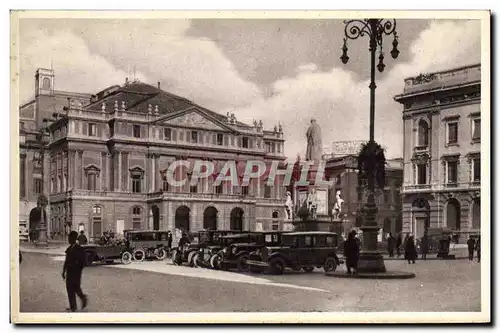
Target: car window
(320, 240)
(331, 241)
(308, 241)
(163, 236)
(269, 238)
(289, 240)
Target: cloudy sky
(276, 70)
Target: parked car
(148, 244)
(107, 253)
(236, 254)
(211, 242)
(203, 239)
(299, 250)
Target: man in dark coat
(424, 247)
(471, 245)
(351, 253)
(410, 250)
(391, 244)
(399, 242)
(82, 239)
(72, 271)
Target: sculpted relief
(194, 119)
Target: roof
(300, 233)
(138, 96)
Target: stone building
(45, 102)
(109, 161)
(442, 151)
(342, 170)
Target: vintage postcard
(250, 167)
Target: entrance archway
(453, 214)
(210, 218)
(156, 217)
(236, 219)
(182, 217)
(476, 214)
(420, 212)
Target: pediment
(193, 119)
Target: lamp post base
(371, 262)
(42, 241)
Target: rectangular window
(244, 190)
(218, 189)
(476, 129)
(164, 183)
(267, 191)
(136, 223)
(476, 169)
(194, 137)
(91, 181)
(136, 184)
(452, 132)
(245, 142)
(193, 189)
(275, 226)
(421, 174)
(137, 131)
(220, 139)
(92, 129)
(167, 134)
(268, 147)
(452, 172)
(96, 227)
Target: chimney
(158, 84)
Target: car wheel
(161, 254)
(215, 261)
(196, 262)
(126, 258)
(89, 258)
(308, 269)
(139, 255)
(277, 266)
(242, 263)
(330, 264)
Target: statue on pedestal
(289, 206)
(314, 148)
(337, 206)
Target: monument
(311, 199)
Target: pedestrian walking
(82, 239)
(478, 249)
(410, 250)
(391, 244)
(471, 246)
(72, 272)
(399, 242)
(424, 247)
(351, 253)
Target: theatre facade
(109, 162)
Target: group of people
(473, 245)
(409, 246)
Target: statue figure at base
(337, 206)
(312, 203)
(289, 207)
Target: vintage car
(107, 253)
(148, 244)
(210, 242)
(298, 250)
(201, 240)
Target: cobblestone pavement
(160, 287)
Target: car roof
(300, 233)
(239, 235)
(145, 231)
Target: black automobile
(299, 250)
(201, 240)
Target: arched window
(210, 218)
(96, 221)
(182, 218)
(236, 219)
(453, 214)
(136, 218)
(423, 133)
(275, 221)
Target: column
(103, 174)
(119, 171)
(109, 158)
(153, 172)
(82, 175)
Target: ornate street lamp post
(371, 259)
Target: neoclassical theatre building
(108, 163)
(442, 151)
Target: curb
(389, 275)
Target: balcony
(421, 149)
(159, 195)
(418, 187)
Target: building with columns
(342, 168)
(45, 102)
(442, 151)
(108, 164)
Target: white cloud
(340, 101)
